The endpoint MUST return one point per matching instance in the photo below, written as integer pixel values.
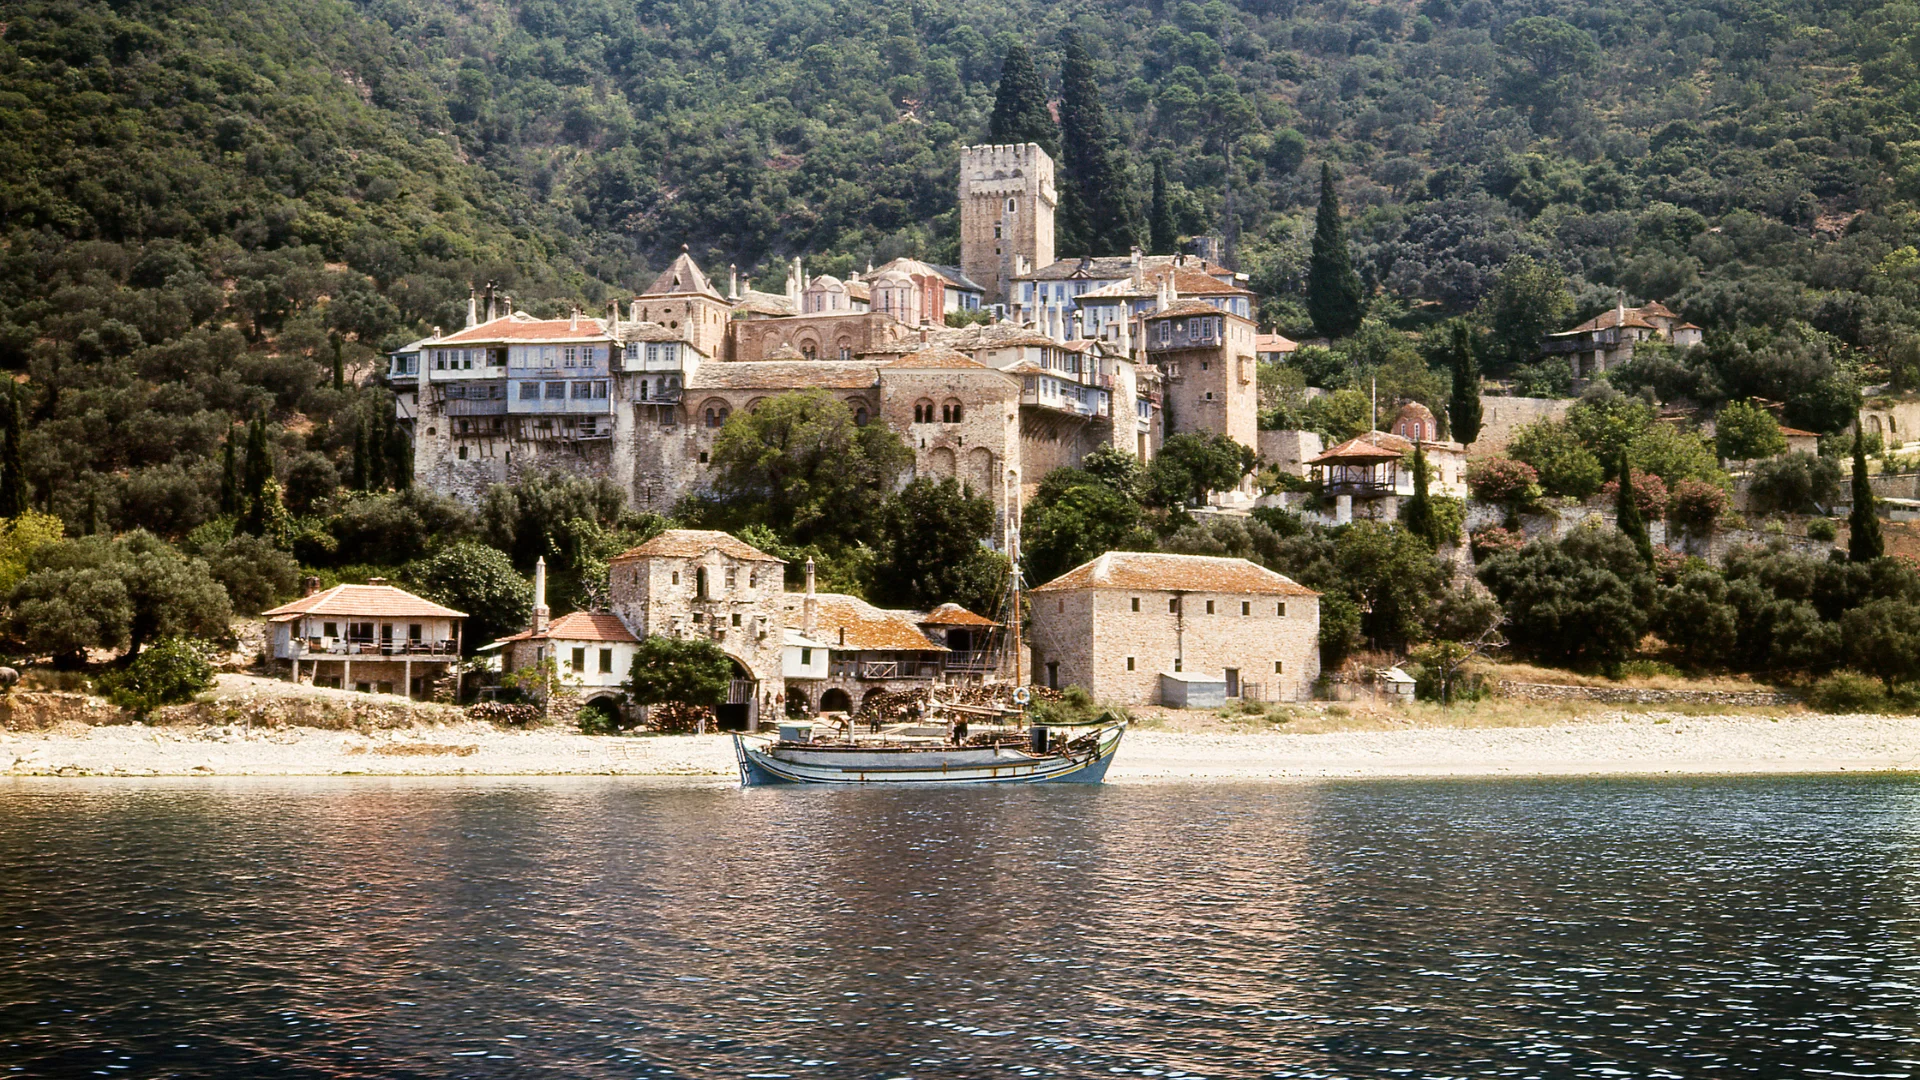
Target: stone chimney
(574, 323)
(1126, 333)
(733, 283)
(507, 302)
(540, 610)
(490, 303)
(810, 607)
(376, 581)
(436, 333)
(309, 585)
(473, 309)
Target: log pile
(902, 705)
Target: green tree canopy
(931, 553)
(1584, 598)
(1097, 215)
(1463, 402)
(1744, 431)
(1190, 465)
(688, 671)
(107, 594)
(802, 467)
(480, 581)
(1528, 300)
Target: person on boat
(960, 732)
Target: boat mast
(1013, 553)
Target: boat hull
(762, 765)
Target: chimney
(809, 608)
(1126, 333)
(489, 306)
(473, 309)
(733, 282)
(633, 310)
(436, 333)
(376, 581)
(574, 323)
(508, 302)
(923, 335)
(540, 609)
(309, 585)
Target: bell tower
(1007, 201)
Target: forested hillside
(203, 204)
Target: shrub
(1847, 692)
(1794, 484)
(169, 672)
(600, 717)
(1744, 431)
(1822, 529)
(1649, 494)
(1696, 505)
(1503, 480)
(1490, 540)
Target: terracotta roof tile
(937, 356)
(693, 543)
(954, 615)
(372, 601)
(755, 302)
(681, 276)
(579, 626)
(1796, 433)
(1152, 571)
(516, 328)
(1371, 446)
(1273, 343)
(867, 627)
(1191, 307)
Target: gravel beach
(1605, 744)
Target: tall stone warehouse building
(1007, 201)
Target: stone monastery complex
(1082, 353)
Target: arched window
(951, 412)
(860, 416)
(810, 350)
(923, 411)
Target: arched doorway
(836, 700)
(796, 701)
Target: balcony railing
(412, 649)
(480, 407)
(970, 661)
(562, 407)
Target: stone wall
(1502, 417)
(1291, 450)
(1628, 695)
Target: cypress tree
(360, 458)
(1097, 206)
(339, 362)
(1160, 222)
(253, 485)
(1627, 513)
(13, 473)
(1463, 407)
(1417, 515)
(399, 458)
(1020, 112)
(229, 478)
(1864, 543)
(376, 458)
(1334, 296)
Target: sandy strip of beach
(1606, 744)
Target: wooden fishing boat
(1044, 755)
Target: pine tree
(1417, 515)
(1334, 296)
(1097, 207)
(1627, 513)
(1864, 543)
(1463, 407)
(1160, 222)
(13, 473)
(229, 478)
(1020, 112)
(253, 485)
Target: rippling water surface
(621, 929)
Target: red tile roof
(681, 277)
(1190, 307)
(954, 615)
(1796, 433)
(1371, 446)
(1152, 571)
(1267, 343)
(935, 356)
(867, 627)
(578, 626)
(692, 544)
(519, 328)
(369, 601)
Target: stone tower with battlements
(1006, 214)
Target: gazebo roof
(1371, 448)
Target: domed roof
(1414, 410)
(826, 281)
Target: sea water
(619, 928)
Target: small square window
(1209, 607)
(1129, 663)
(1246, 607)
(1173, 604)
(1136, 603)
(806, 657)
(736, 619)
(703, 457)
(1280, 609)
(579, 659)
(1276, 667)
(1176, 665)
(329, 629)
(676, 577)
(606, 661)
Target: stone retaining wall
(1627, 695)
